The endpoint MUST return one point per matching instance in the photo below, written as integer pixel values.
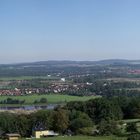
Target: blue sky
(34, 30)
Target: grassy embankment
(84, 138)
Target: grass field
(27, 78)
(52, 98)
(123, 79)
(85, 138)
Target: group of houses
(53, 88)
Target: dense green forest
(96, 117)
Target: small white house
(63, 79)
(44, 133)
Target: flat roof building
(12, 136)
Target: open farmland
(124, 79)
(27, 78)
(52, 98)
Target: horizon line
(60, 60)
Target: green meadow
(27, 78)
(51, 98)
(84, 138)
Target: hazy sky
(34, 30)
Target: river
(29, 107)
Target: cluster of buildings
(53, 88)
(36, 134)
(10, 92)
(134, 71)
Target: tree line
(21, 102)
(12, 101)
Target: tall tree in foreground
(60, 120)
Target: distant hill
(75, 63)
(43, 68)
(100, 62)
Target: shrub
(134, 137)
(86, 131)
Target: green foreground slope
(84, 138)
